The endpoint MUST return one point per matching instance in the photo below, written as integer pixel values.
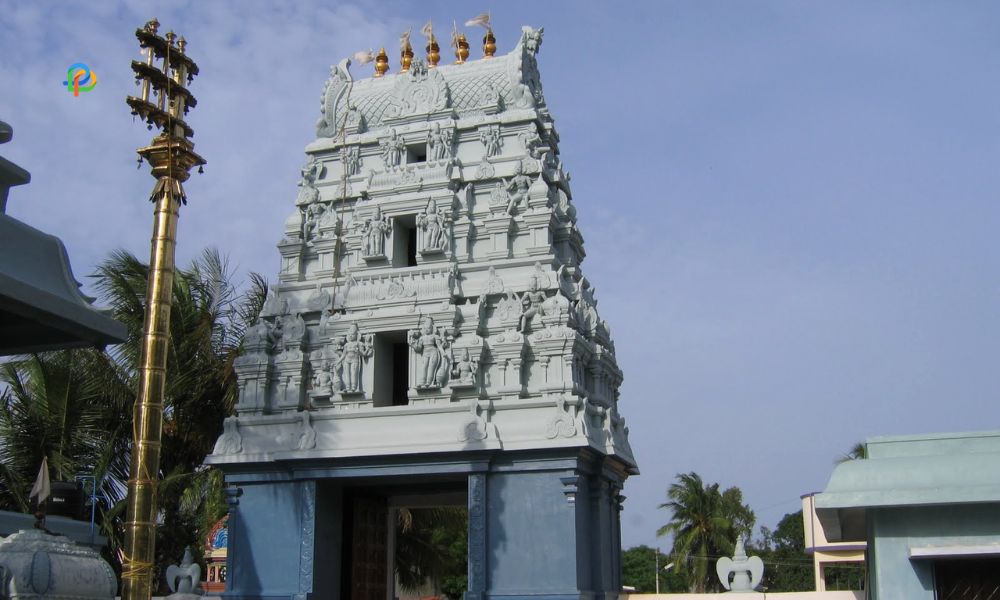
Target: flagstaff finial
(489, 44)
(432, 48)
(405, 52)
(461, 46)
(171, 153)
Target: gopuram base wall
(431, 335)
(541, 524)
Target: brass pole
(137, 573)
(171, 156)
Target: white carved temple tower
(431, 329)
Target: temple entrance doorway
(405, 543)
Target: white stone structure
(433, 211)
(430, 329)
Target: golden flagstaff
(171, 156)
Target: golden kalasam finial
(181, 44)
(461, 49)
(405, 56)
(489, 44)
(381, 63)
(433, 52)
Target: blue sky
(790, 208)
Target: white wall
(849, 595)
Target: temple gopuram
(431, 341)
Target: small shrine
(431, 340)
(215, 558)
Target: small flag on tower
(427, 30)
(363, 57)
(482, 20)
(42, 489)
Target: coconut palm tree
(704, 523)
(209, 316)
(857, 452)
(68, 407)
(75, 406)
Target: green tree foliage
(208, 319)
(857, 452)
(432, 550)
(704, 523)
(639, 565)
(787, 566)
(57, 405)
(75, 406)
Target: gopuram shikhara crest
(431, 336)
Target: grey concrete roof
(921, 470)
(41, 306)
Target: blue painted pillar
(551, 533)
(266, 522)
(477, 537)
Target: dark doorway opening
(967, 578)
(406, 543)
(392, 369)
(404, 241)
(416, 153)
(400, 373)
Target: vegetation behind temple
(704, 524)
(75, 406)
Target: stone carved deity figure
(312, 219)
(393, 149)
(531, 141)
(465, 369)
(490, 137)
(356, 348)
(432, 221)
(350, 157)
(183, 579)
(311, 172)
(278, 335)
(373, 233)
(322, 382)
(432, 347)
(517, 187)
(509, 307)
(499, 197)
(532, 303)
(438, 143)
(336, 369)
